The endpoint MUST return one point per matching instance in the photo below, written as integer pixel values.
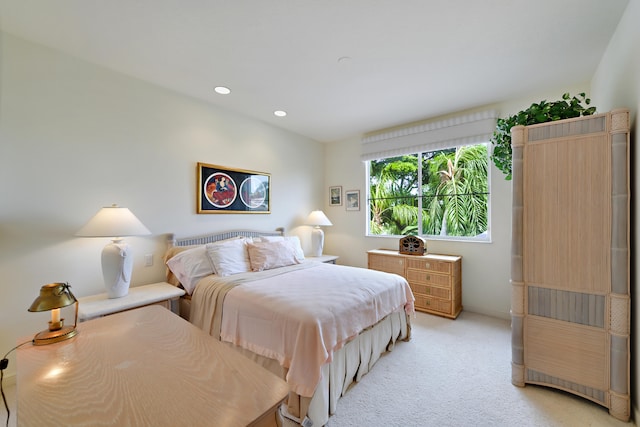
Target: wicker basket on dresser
(436, 280)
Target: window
(442, 193)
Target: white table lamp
(317, 219)
(117, 262)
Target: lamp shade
(53, 295)
(318, 218)
(113, 221)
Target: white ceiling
(409, 59)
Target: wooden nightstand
(329, 259)
(156, 293)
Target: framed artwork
(335, 196)
(352, 200)
(225, 190)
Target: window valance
(453, 132)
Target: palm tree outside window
(438, 194)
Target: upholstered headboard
(216, 236)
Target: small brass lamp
(53, 297)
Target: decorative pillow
(189, 266)
(268, 255)
(229, 257)
(294, 239)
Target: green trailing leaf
(542, 112)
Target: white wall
(616, 84)
(75, 137)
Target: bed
(321, 327)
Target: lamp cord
(3, 365)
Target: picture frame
(352, 200)
(335, 195)
(227, 190)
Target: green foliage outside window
(452, 199)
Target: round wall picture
(253, 192)
(220, 190)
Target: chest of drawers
(436, 280)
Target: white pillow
(190, 266)
(268, 255)
(229, 257)
(294, 239)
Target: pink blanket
(301, 317)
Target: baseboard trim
(490, 313)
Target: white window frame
(484, 237)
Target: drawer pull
(428, 302)
(428, 277)
(427, 265)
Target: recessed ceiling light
(344, 62)
(222, 90)
(280, 113)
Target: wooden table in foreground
(144, 367)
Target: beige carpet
(458, 373)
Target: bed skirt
(349, 365)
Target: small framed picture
(352, 200)
(335, 196)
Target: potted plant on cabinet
(542, 112)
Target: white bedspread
(301, 317)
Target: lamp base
(49, 337)
(117, 264)
(317, 241)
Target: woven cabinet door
(570, 274)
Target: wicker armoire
(570, 301)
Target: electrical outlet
(148, 260)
